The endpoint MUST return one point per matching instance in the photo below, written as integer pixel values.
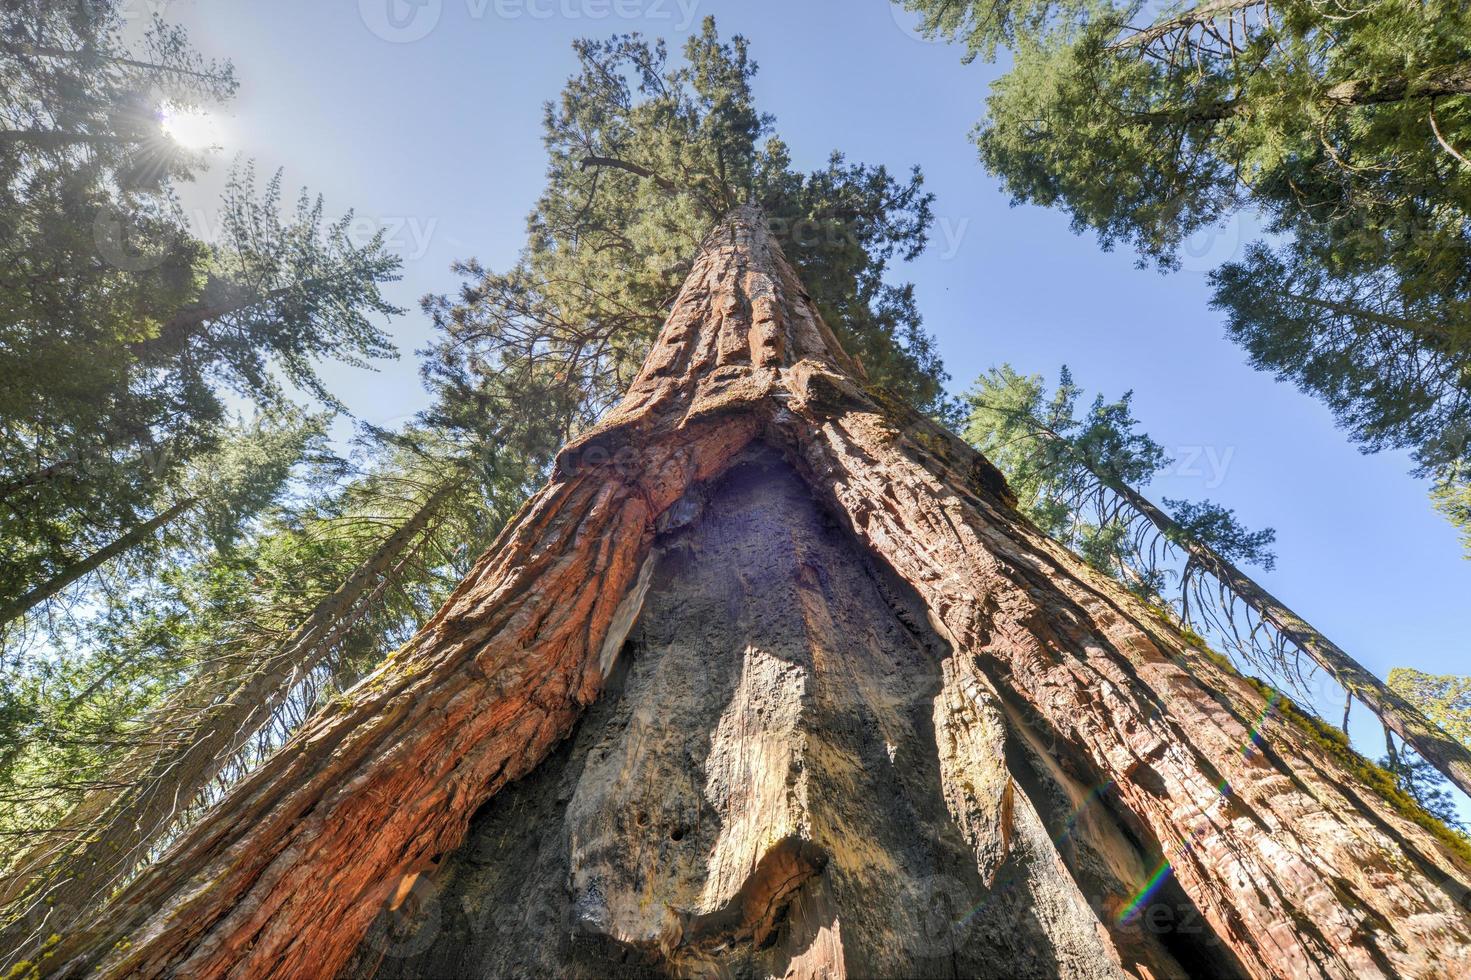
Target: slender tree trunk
(1059, 764)
(1449, 756)
(31, 479)
(1434, 330)
(1202, 13)
(1451, 81)
(183, 325)
(112, 829)
(19, 606)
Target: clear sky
(425, 115)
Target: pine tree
(645, 156)
(1346, 131)
(1065, 468)
(233, 489)
(120, 331)
(277, 629)
(1452, 496)
(1445, 698)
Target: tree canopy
(645, 153)
(122, 333)
(1345, 129)
(1065, 468)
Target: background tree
(231, 490)
(222, 664)
(121, 333)
(1453, 497)
(1345, 128)
(1445, 698)
(138, 521)
(89, 442)
(1079, 479)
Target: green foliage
(1420, 781)
(121, 334)
(278, 295)
(1218, 529)
(1392, 365)
(1345, 128)
(1443, 698)
(146, 518)
(216, 615)
(644, 156)
(66, 695)
(1054, 460)
(79, 97)
(1452, 498)
(1078, 479)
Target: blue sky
(424, 116)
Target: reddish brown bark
(1297, 866)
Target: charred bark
(791, 775)
(1074, 735)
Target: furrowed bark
(114, 828)
(1074, 733)
(1158, 723)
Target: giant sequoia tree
(772, 676)
(181, 690)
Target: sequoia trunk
(850, 715)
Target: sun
(193, 129)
